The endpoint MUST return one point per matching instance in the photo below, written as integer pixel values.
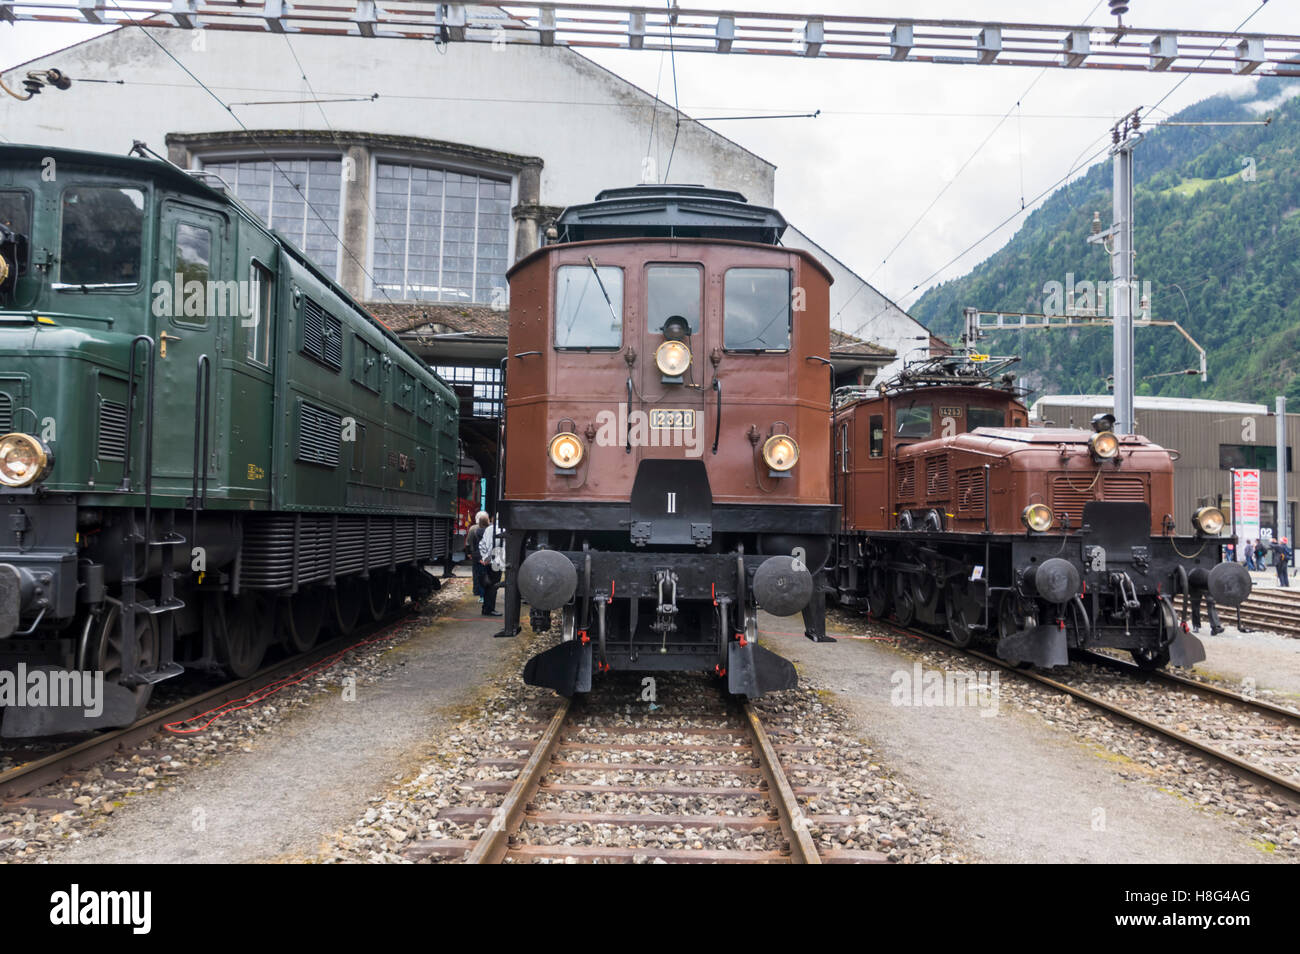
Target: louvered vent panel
(112, 430)
(319, 432)
(970, 490)
(1069, 494)
(1124, 489)
(936, 477)
(907, 480)
(6, 412)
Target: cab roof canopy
(670, 211)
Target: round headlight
(23, 460)
(673, 358)
(1104, 445)
(1037, 517)
(1208, 520)
(567, 450)
(781, 452)
(4, 269)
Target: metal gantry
(688, 30)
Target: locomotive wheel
(243, 634)
(378, 594)
(1152, 659)
(301, 618)
(904, 603)
(102, 648)
(346, 602)
(963, 609)
(1012, 618)
(878, 592)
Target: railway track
(23, 779)
(648, 789)
(1275, 610)
(1262, 752)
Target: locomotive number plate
(673, 419)
(950, 412)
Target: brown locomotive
(665, 444)
(956, 514)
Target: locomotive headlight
(781, 452)
(567, 450)
(673, 358)
(1037, 517)
(23, 460)
(4, 269)
(1104, 445)
(1208, 520)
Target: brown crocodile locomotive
(666, 438)
(956, 514)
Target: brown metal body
(550, 390)
(879, 482)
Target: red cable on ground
(271, 688)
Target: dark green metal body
(317, 422)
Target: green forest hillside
(1220, 248)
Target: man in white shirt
(490, 578)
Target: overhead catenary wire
(262, 148)
(949, 184)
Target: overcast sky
(891, 136)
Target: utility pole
(1125, 136)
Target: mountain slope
(1205, 230)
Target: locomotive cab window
(263, 300)
(876, 425)
(15, 227)
(914, 421)
(756, 309)
(193, 264)
(101, 239)
(588, 307)
(985, 417)
(672, 290)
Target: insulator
(1118, 7)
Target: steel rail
(1227, 758)
(803, 851)
(491, 848)
(29, 776)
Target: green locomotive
(207, 445)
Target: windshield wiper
(90, 286)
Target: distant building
(419, 199)
(1212, 439)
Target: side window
(984, 417)
(404, 390)
(588, 307)
(259, 327)
(672, 290)
(844, 447)
(914, 422)
(16, 216)
(877, 427)
(193, 263)
(756, 309)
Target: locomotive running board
(566, 668)
(753, 671)
(1043, 646)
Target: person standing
(491, 578)
(471, 551)
(1250, 555)
(1261, 552)
(1281, 558)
